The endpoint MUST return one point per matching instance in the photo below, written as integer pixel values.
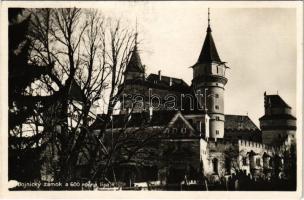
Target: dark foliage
(24, 152)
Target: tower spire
(208, 17)
(134, 64)
(136, 33)
(209, 53)
(209, 28)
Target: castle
(196, 134)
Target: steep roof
(209, 52)
(176, 83)
(135, 64)
(241, 127)
(275, 101)
(239, 122)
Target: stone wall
(225, 157)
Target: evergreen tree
(24, 151)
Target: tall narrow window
(215, 165)
(216, 107)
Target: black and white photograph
(153, 96)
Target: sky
(258, 44)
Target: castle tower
(209, 80)
(277, 124)
(133, 82)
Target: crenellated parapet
(251, 144)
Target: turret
(134, 70)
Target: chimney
(265, 100)
(159, 75)
(170, 83)
(150, 112)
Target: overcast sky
(258, 44)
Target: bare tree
(89, 53)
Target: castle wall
(221, 158)
(230, 156)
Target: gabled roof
(209, 53)
(179, 115)
(135, 64)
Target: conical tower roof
(209, 52)
(135, 64)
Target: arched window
(215, 165)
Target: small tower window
(217, 118)
(216, 107)
(216, 95)
(217, 132)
